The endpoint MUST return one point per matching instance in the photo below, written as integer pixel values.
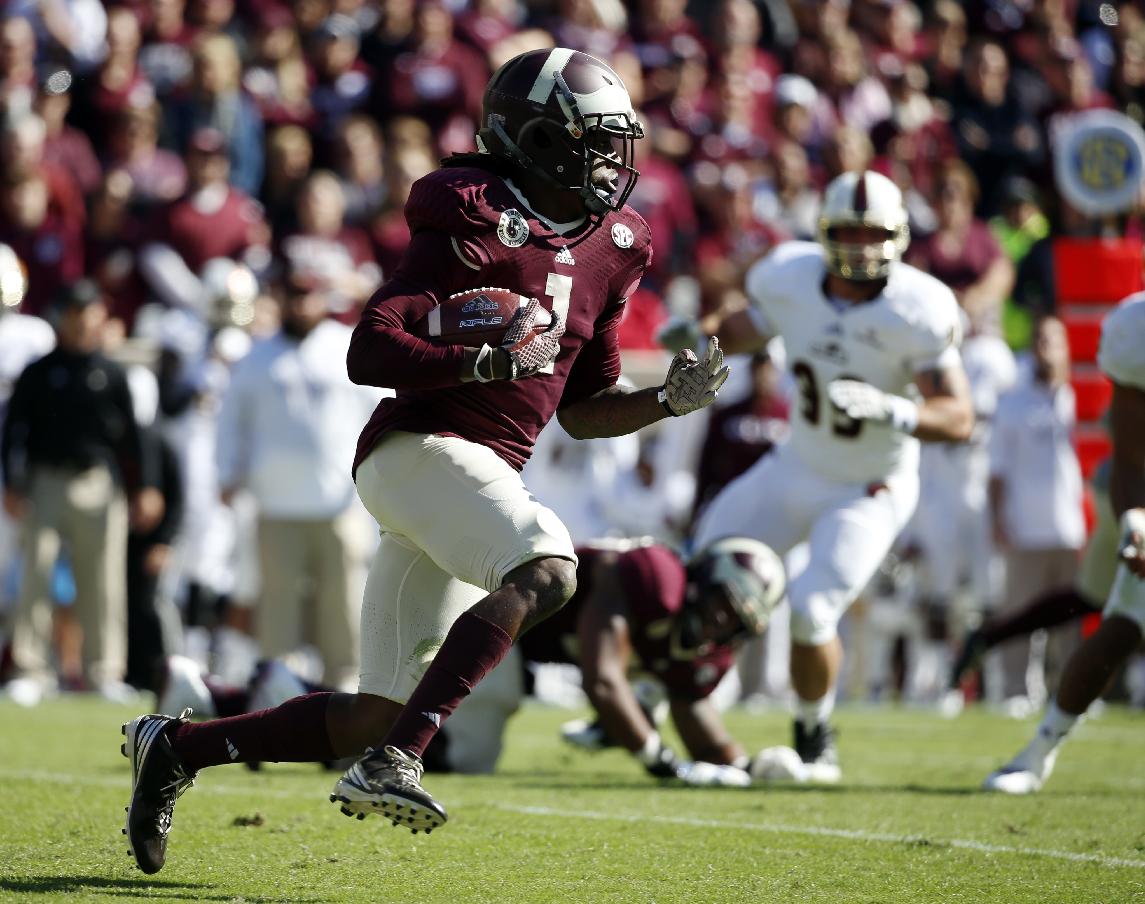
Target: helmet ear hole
(541, 139)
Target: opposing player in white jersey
(1089, 670)
(873, 346)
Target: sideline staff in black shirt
(70, 448)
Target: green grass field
(560, 826)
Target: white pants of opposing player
(849, 528)
(455, 519)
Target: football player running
(1089, 670)
(873, 346)
(468, 559)
(639, 607)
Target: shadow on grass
(136, 888)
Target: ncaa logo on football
(512, 229)
(622, 235)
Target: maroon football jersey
(654, 581)
(470, 230)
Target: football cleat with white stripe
(1027, 772)
(158, 777)
(388, 781)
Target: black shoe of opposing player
(816, 747)
(969, 658)
(388, 781)
(158, 777)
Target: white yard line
(823, 831)
(247, 791)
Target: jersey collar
(561, 229)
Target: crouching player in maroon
(468, 559)
(639, 609)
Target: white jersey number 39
(812, 401)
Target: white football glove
(1132, 546)
(710, 775)
(864, 402)
(691, 384)
(679, 333)
(528, 350)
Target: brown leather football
(475, 317)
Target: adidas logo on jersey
(564, 256)
(232, 751)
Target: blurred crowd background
(198, 196)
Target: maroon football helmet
(565, 117)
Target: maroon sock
(471, 650)
(294, 732)
(228, 700)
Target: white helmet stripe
(546, 81)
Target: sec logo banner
(1099, 161)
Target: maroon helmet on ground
(565, 117)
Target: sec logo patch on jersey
(512, 229)
(622, 235)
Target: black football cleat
(158, 777)
(388, 781)
(818, 751)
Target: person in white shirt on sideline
(287, 432)
(1036, 488)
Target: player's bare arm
(946, 413)
(605, 651)
(690, 384)
(1127, 478)
(702, 730)
(615, 411)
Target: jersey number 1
(558, 287)
(811, 403)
